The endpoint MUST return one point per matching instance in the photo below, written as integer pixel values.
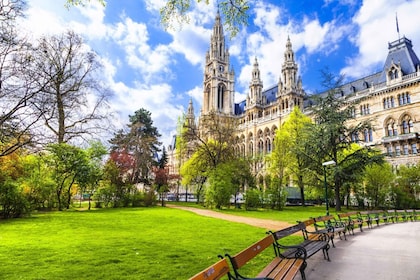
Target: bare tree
(16, 88)
(73, 102)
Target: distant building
(390, 98)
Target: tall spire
(190, 117)
(398, 28)
(217, 48)
(289, 68)
(256, 85)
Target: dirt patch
(262, 223)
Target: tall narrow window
(220, 97)
(389, 150)
(414, 149)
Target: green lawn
(137, 243)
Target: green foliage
(13, 203)
(289, 156)
(234, 11)
(332, 139)
(253, 199)
(70, 3)
(378, 183)
(37, 182)
(406, 192)
(275, 196)
(135, 151)
(220, 188)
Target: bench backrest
(252, 251)
(213, 272)
(289, 231)
(347, 215)
(325, 218)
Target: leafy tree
(235, 11)
(162, 176)
(13, 203)
(138, 147)
(226, 180)
(69, 165)
(194, 173)
(289, 154)
(406, 190)
(332, 135)
(378, 181)
(90, 176)
(37, 182)
(73, 102)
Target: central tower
(218, 76)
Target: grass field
(136, 243)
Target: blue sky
(148, 67)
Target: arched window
(406, 124)
(251, 148)
(391, 129)
(268, 145)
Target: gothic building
(390, 99)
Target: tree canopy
(235, 12)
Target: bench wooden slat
(245, 255)
(278, 268)
(287, 270)
(213, 272)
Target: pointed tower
(218, 76)
(290, 89)
(255, 87)
(190, 117)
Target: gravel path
(262, 223)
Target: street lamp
(325, 164)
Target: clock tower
(219, 78)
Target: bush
(13, 203)
(253, 199)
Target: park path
(262, 223)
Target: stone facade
(390, 99)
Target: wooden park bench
(376, 216)
(351, 220)
(367, 217)
(400, 215)
(311, 244)
(330, 226)
(391, 216)
(279, 268)
(412, 214)
(214, 272)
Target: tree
(194, 172)
(289, 154)
(162, 176)
(13, 202)
(234, 11)
(139, 145)
(73, 102)
(90, 176)
(17, 88)
(332, 134)
(407, 188)
(378, 181)
(69, 165)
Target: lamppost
(324, 165)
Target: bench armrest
(299, 253)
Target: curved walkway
(387, 252)
(262, 223)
